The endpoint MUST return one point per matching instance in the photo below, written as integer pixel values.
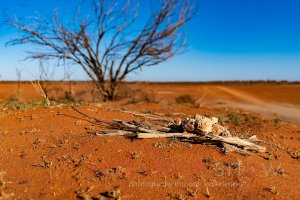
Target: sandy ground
(271, 100)
(54, 153)
(237, 98)
(282, 100)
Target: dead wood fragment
(165, 135)
(246, 144)
(114, 133)
(199, 129)
(88, 116)
(148, 116)
(230, 148)
(142, 127)
(241, 146)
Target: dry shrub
(80, 95)
(14, 97)
(95, 94)
(143, 96)
(185, 98)
(13, 100)
(42, 91)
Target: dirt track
(234, 98)
(282, 101)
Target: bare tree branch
(108, 42)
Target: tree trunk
(112, 90)
(108, 90)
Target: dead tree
(109, 42)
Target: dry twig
(37, 86)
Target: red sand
(53, 153)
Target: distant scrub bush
(185, 98)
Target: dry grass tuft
(185, 99)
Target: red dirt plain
(54, 153)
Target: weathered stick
(253, 138)
(229, 143)
(114, 133)
(147, 116)
(88, 116)
(239, 142)
(146, 128)
(229, 140)
(229, 148)
(165, 135)
(145, 135)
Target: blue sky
(228, 40)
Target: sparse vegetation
(277, 122)
(135, 94)
(234, 118)
(18, 105)
(185, 98)
(42, 91)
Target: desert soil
(56, 153)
